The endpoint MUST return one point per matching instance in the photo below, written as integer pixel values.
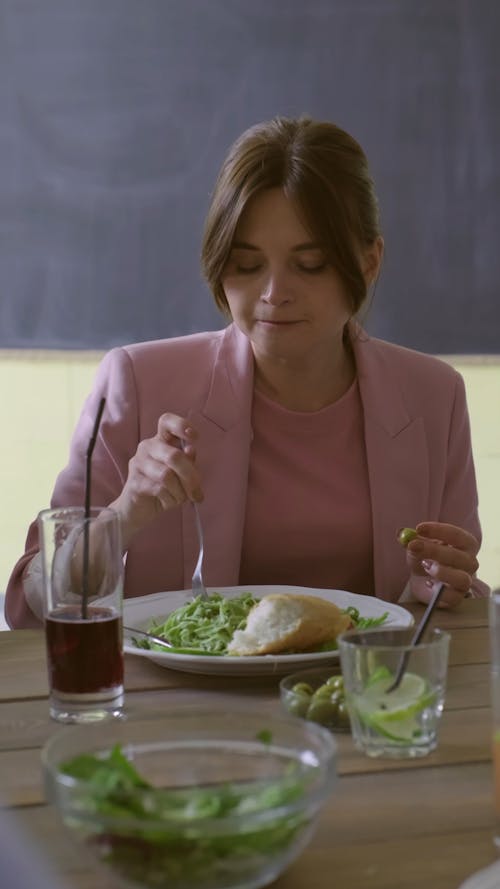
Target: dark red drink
(85, 657)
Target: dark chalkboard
(116, 114)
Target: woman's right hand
(162, 474)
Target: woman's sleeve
(115, 445)
(459, 504)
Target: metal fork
(130, 633)
(198, 587)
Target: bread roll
(288, 622)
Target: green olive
(323, 691)
(302, 688)
(298, 704)
(327, 695)
(322, 710)
(406, 535)
(335, 682)
(343, 714)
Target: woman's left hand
(443, 553)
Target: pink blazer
(417, 442)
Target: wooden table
(425, 824)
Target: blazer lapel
(398, 464)
(224, 427)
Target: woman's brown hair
(323, 170)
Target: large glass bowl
(232, 799)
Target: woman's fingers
(451, 535)
(174, 448)
(175, 430)
(171, 470)
(444, 553)
(447, 545)
(161, 475)
(455, 578)
(449, 598)
(155, 479)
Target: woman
(306, 443)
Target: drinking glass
(82, 599)
(402, 723)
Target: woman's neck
(300, 387)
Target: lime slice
(404, 731)
(408, 698)
(393, 715)
(378, 674)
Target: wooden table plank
(24, 665)
(24, 669)
(462, 740)
(339, 854)
(441, 861)
(25, 723)
(471, 613)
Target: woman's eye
(313, 269)
(247, 269)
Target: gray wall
(115, 115)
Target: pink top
(313, 464)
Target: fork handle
(438, 589)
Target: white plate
(139, 612)
(486, 878)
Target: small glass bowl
(317, 695)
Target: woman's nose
(277, 291)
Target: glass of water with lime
(402, 722)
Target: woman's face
(281, 291)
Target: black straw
(88, 474)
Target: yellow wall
(482, 381)
(41, 395)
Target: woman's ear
(372, 260)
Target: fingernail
(430, 565)
(429, 583)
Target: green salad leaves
(160, 838)
(364, 623)
(360, 623)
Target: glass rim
(373, 639)
(103, 735)
(332, 669)
(61, 513)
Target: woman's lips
(273, 323)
